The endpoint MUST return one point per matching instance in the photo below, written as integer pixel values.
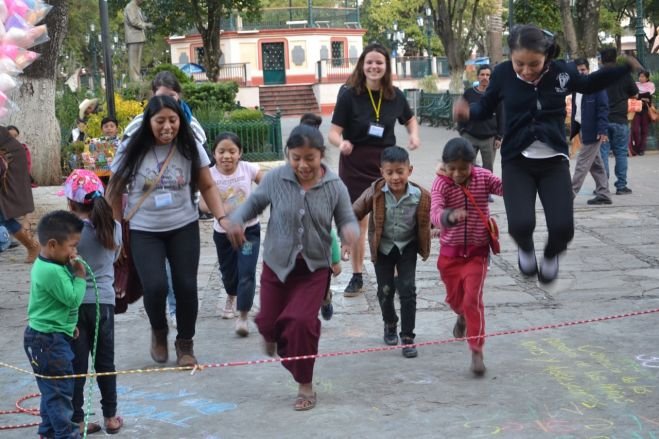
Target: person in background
(590, 119)
(16, 192)
(110, 127)
(484, 135)
(618, 92)
(641, 121)
(15, 133)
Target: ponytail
(530, 37)
(101, 218)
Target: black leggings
(523, 178)
(181, 248)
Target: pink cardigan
(470, 237)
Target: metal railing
(285, 18)
(335, 69)
(261, 139)
(413, 67)
(236, 72)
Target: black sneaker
(390, 335)
(355, 285)
(623, 191)
(598, 201)
(548, 271)
(327, 311)
(409, 351)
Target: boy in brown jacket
(399, 228)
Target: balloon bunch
(19, 31)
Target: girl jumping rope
(459, 206)
(233, 177)
(100, 243)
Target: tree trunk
(495, 35)
(587, 25)
(449, 27)
(35, 100)
(568, 28)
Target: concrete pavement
(596, 380)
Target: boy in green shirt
(57, 287)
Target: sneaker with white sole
(229, 308)
(526, 261)
(242, 327)
(548, 271)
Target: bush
(251, 127)
(137, 91)
(221, 95)
(180, 76)
(429, 84)
(66, 110)
(125, 110)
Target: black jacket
(482, 129)
(537, 112)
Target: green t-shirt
(55, 296)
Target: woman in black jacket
(534, 152)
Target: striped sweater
(470, 237)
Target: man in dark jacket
(590, 119)
(484, 135)
(618, 93)
(15, 192)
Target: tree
(176, 16)
(459, 25)
(35, 99)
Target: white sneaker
(527, 262)
(548, 270)
(172, 320)
(242, 327)
(229, 306)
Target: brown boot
(32, 246)
(477, 364)
(159, 351)
(185, 352)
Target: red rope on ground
(35, 411)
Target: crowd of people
(162, 177)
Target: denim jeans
(405, 264)
(51, 354)
(181, 248)
(11, 224)
(82, 347)
(619, 144)
(238, 267)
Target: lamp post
(91, 39)
(107, 57)
(427, 24)
(640, 33)
(395, 37)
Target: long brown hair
(357, 79)
(100, 215)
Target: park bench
(436, 109)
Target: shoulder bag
(489, 223)
(127, 284)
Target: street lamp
(395, 37)
(640, 33)
(427, 24)
(92, 38)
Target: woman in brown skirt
(362, 126)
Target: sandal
(113, 430)
(305, 402)
(92, 427)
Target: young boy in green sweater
(57, 287)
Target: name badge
(376, 130)
(163, 200)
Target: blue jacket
(594, 116)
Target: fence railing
(285, 18)
(261, 139)
(228, 72)
(335, 69)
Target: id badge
(163, 200)
(376, 130)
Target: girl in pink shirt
(464, 240)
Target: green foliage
(429, 84)
(66, 110)
(136, 91)
(180, 76)
(542, 13)
(245, 114)
(222, 95)
(250, 125)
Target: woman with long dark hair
(362, 126)
(161, 166)
(534, 152)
